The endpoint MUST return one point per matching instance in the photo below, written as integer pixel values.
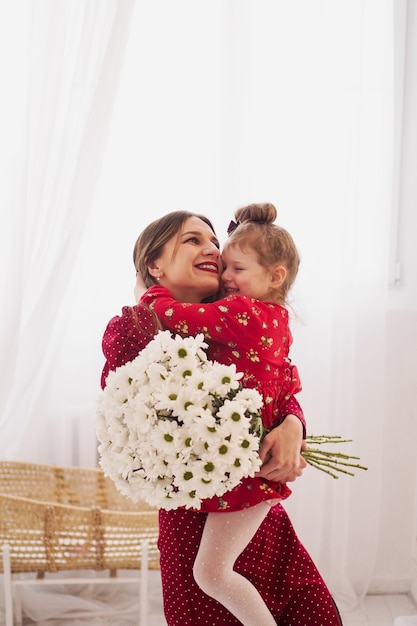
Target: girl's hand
(281, 452)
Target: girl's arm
(280, 449)
(216, 320)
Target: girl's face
(190, 265)
(244, 275)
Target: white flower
(175, 428)
(223, 378)
(249, 398)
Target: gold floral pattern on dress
(182, 327)
(248, 378)
(236, 354)
(169, 313)
(266, 342)
(266, 487)
(268, 399)
(243, 318)
(223, 308)
(253, 356)
(216, 354)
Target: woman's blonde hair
(150, 244)
(255, 229)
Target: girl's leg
(225, 536)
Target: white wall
(399, 513)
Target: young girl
(249, 327)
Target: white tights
(225, 536)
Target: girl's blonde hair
(254, 229)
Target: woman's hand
(140, 287)
(281, 452)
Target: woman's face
(190, 265)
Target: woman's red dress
(275, 561)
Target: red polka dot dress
(274, 561)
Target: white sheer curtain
(65, 61)
(220, 104)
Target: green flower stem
(326, 439)
(327, 460)
(340, 455)
(321, 468)
(324, 461)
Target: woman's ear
(279, 274)
(154, 271)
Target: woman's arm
(292, 407)
(281, 451)
(125, 336)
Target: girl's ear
(279, 274)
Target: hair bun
(261, 212)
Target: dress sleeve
(292, 407)
(125, 336)
(216, 320)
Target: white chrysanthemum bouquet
(175, 428)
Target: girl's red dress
(274, 561)
(255, 336)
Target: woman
(274, 561)
(248, 328)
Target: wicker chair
(70, 518)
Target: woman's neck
(191, 295)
